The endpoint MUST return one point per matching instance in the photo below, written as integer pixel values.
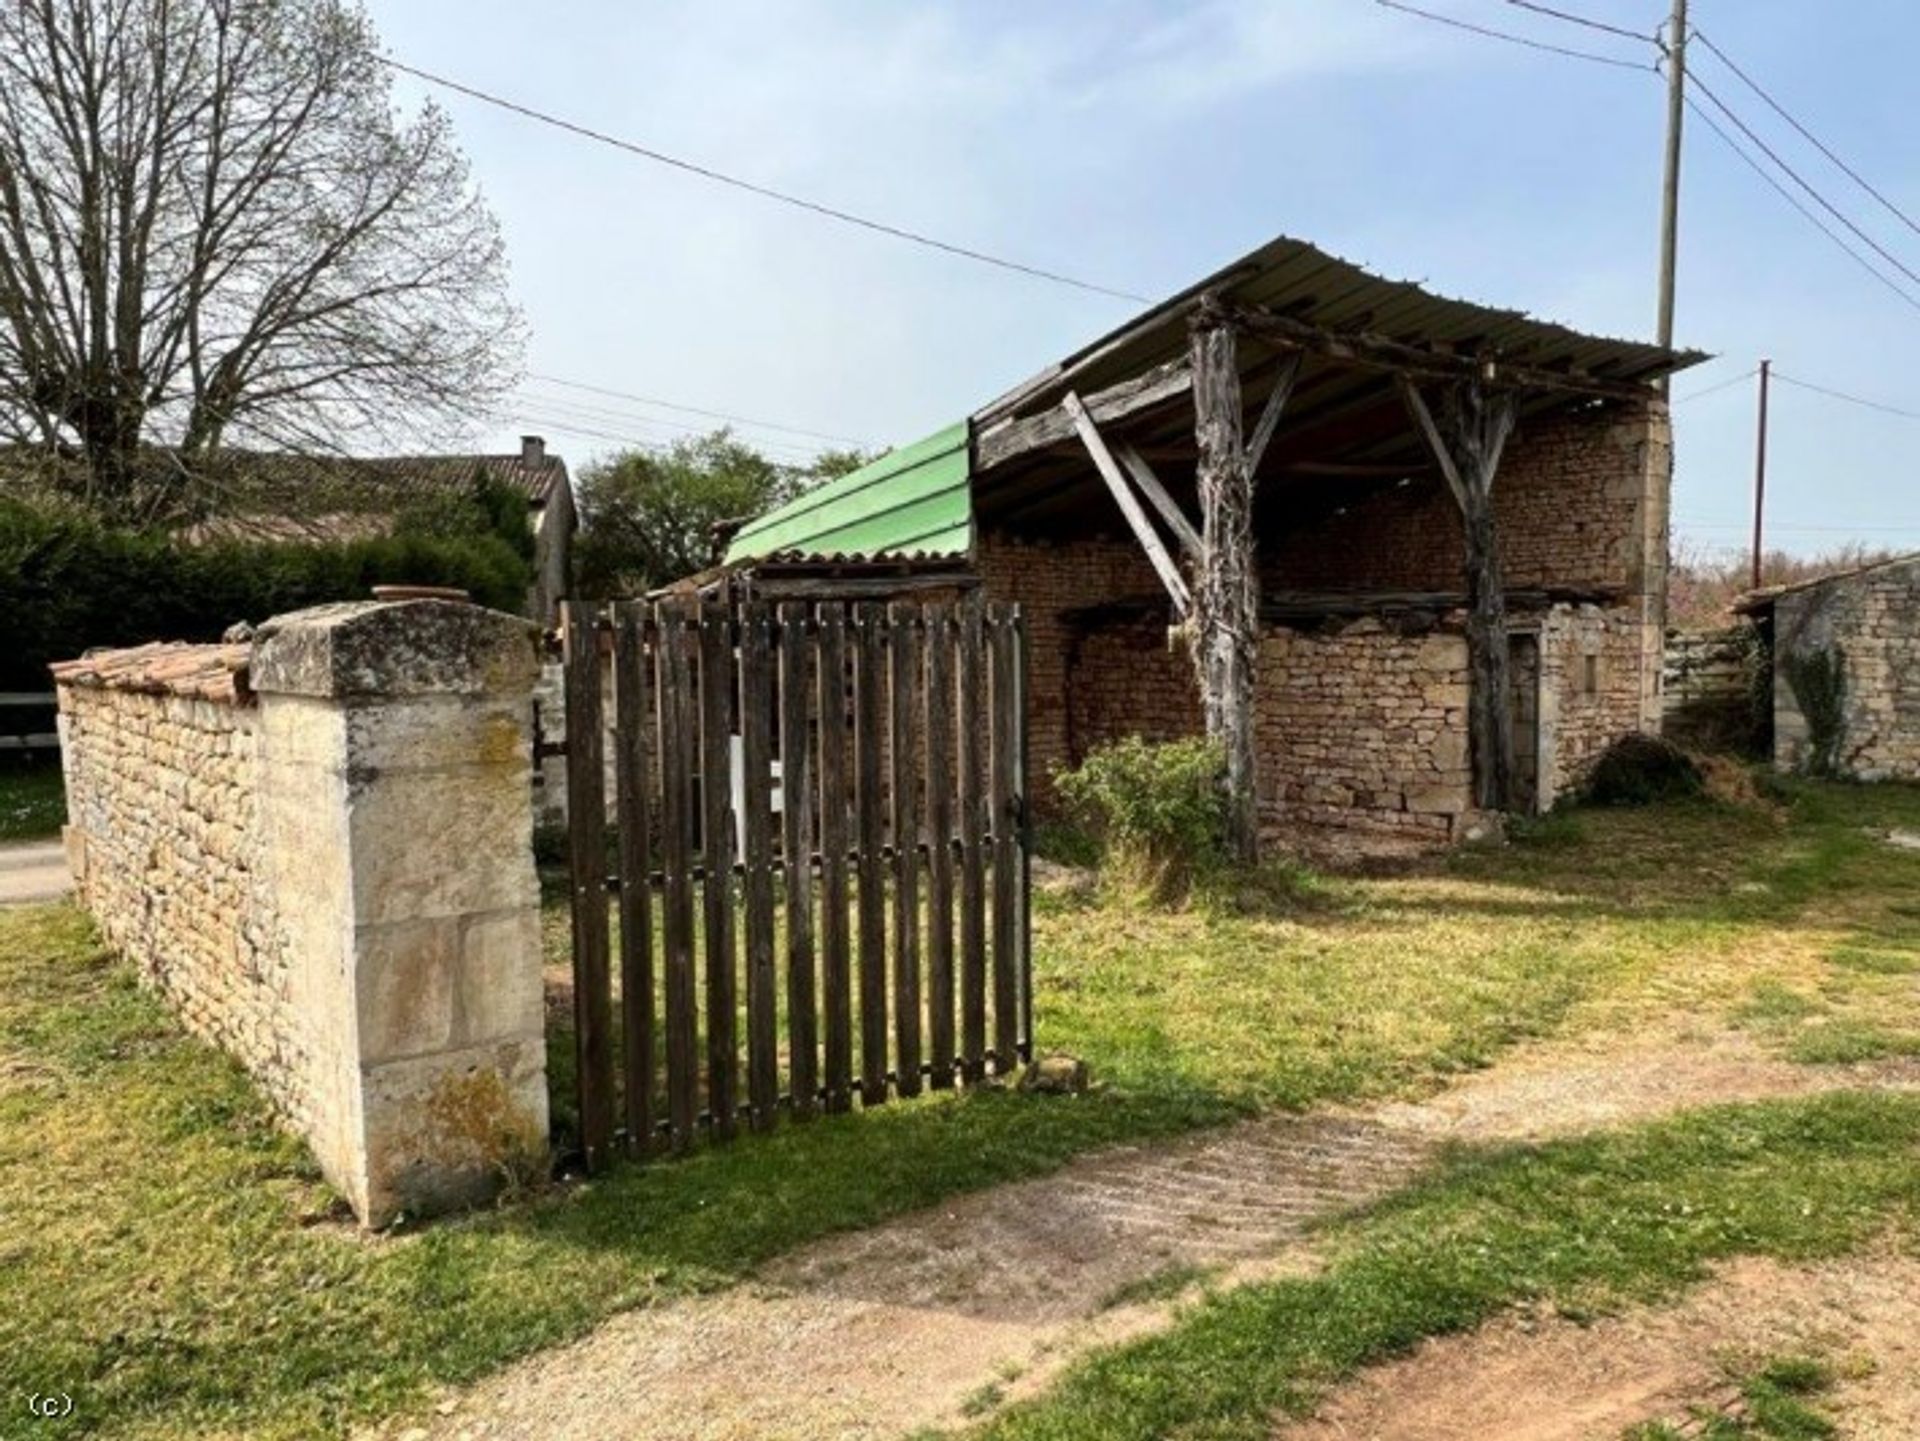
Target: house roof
(1755, 601)
(910, 504)
(923, 500)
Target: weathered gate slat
(756, 727)
(1023, 955)
(903, 635)
(716, 841)
(678, 732)
(1006, 825)
(937, 713)
(834, 952)
(921, 762)
(869, 684)
(633, 781)
(587, 862)
(796, 846)
(973, 881)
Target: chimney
(533, 449)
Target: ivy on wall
(1819, 680)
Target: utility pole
(1676, 48)
(1760, 470)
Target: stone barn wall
(1362, 728)
(1869, 623)
(317, 848)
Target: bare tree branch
(216, 229)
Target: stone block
(391, 649)
(408, 978)
(1439, 800)
(447, 1131)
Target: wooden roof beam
(1009, 439)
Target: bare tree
(216, 229)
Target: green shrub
(1642, 770)
(1159, 810)
(68, 582)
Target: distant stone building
(1846, 671)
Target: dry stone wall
(163, 786)
(1363, 728)
(1868, 624)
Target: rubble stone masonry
(1869, 620)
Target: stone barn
(1404, 555)
(1846, 671)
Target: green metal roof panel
(913, 501)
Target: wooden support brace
(1149, 485)
(1129, 504)
(1270, 413)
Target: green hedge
(68, 582)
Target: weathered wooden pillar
(1467, 446)
(1225, 622)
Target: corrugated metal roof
(1305, 283)
(911, 503)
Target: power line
(692, 409)
(1794, 175)
(1716, 389)
(1787, 195)
(1587, 21)
(654, 446)
(679, 425)
(1850, 399)
(670, 432)
(1492, 34)
(1742, 525)
(720, 177)
(1805, 134)
(1704, 117)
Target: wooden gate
(818, 849)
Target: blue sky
(1140, 145)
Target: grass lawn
(33, 800)
(163, 1255)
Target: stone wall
(1579, 502)
(317, 847)
(1361, 723)
(163, 801)
(1078, 699)
(1364, 729)
(1870, 623)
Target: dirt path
(873, 1334)
(1530, 1378)
(32, 872)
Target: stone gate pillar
(396, 825)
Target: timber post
(1477, 422)
(1224, 630)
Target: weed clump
(1158, 810)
